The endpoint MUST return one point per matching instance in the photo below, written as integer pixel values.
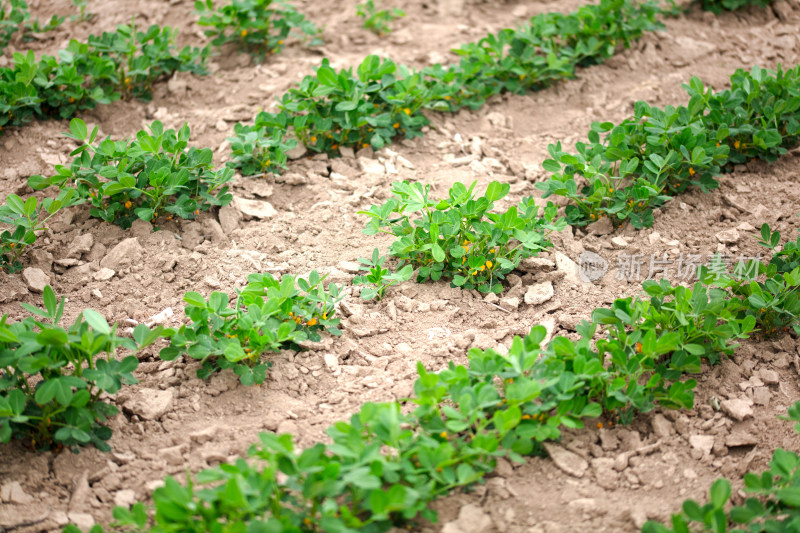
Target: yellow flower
(396, 125)
(443, 434)
(313, 138)
(407, 111)
(737, 144)
(691, 171)
(244, 33)
(638, 347)
(324, 316)
(280, 42)
(488, 264)
(128, 204)
(447, 97)
(312, 322)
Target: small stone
(229, 218)
(536, 264)
(539, 293)
(567, 461)
(297, 152)
(12, 493)
(619, 242)
(770, 377)
(654, 238)
(491, 298)
(204, 435)
(84, 521)
(172, 455)
(603, 468)
(151, 404)
(104, 274)
(601, 227)
(254, 208)
(661, 426)
(738, 409)
(332, 362)
(704, 443)
(761, 396)
(125, 498)
(124, 254)
(351, 267)
(728, 236)
(81, 245)
(740, 437)
(473, 519)
(509, 304)
(36, 279)
(371, 166)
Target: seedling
(267, 316)
(377, 20)
(459, 238)
(83, 15)
(26, 218)
(379, 277)
(52, 378)
(259, 27)
(148, 177)
(15, 16)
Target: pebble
(104, 274)
(84, 521)
(704, 443)
(770, 377)
(567, 461)
(126, 253)
(172, 455)
(740, 437)
(12, 493)
(150, 404)
(125, 498)
(371, 166)
(539, 293)
(229, 218)
(254, 208)
(728, 236)
(204, 435)
(471, 519)
(351, 267)
(81, 245)
(509, 303)
(619, 242)
(36, 279)
(661, 426)
(738, 409)
(332, 362)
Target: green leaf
(78, 129)
(96, 321)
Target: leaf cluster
(459, 238)
(53, 379)
(646, 160)
(23, 219)
(16, 16)
(151, 175)
(121, 64)
(268, 315)
(377, 20)
(258, 27)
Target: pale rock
(738, 409)
(604, 473)
(351, 267)
(42, 260)
(371, 166)
(141, 228)
(151, 404)
(509, 304)
(13, 493)
(704, 443)
(601, 227)
(172, 455)
(254, 208)
(104, 274)
(204, 435)
(728, 236)
(740, 437)
(570, 268)
(491, 298)
(619, 242)
(473, 519)
(770, 377)
(229, 218)
(298, 151)
(761, 396)
(79, 499)
(347, 152)
(332, 362)
(536, 264)
(654, 238)
(746, 227)
(124, 254)
(84, 521)
(125, 498)
(81, 245)
(661, 426)
(539, 293)
(567, 461)
(36, 279)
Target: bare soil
(613, 479)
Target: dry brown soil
(611, 479)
